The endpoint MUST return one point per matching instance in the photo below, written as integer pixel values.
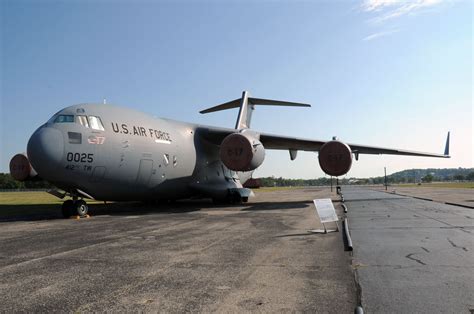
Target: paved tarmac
(411, 255)
(185, 257)
(462, 197)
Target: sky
(388, 73)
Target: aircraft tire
(81, 208)
(235, 198)
(67, 208)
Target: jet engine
(335, 158)
(21, 169)
(241, 152)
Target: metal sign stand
(327, 213)
(325, 230)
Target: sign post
(327, 213)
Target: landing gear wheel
(81, 208)
(67, 208)
(237, 199)
(234, 198)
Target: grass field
(32, 198)
(28, 198)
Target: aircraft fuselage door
(144, 172)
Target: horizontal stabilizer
(253, 101)
(246, 105)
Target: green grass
(28, 198)
(449, 185)
(32, 198)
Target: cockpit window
(90, 122)
(83, 121)
(95, 123)
(64, 118)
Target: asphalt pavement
(411, 255)
(185, 257)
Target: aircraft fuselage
(114, 153)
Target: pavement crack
(425, 249)
(409, 256)
(457, 246)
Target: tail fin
(247, 106)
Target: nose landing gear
(75, 208)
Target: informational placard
(325, 210)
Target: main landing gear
(75, 208)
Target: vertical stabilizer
(245, 112)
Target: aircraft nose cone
(45, 151)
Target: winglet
(446, 147)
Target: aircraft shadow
(35, 212)
(276, 205)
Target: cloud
(391, 9)
(380, 34)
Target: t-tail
(246, 105)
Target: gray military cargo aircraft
(109, 153)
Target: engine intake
(335, 158)
(241, 152)
(20, 168)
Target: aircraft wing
(280, 142)
(270, 141)
(216, 136)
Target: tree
(459, 177)
(428, 178)
(470, 176)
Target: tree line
(8, 183)
(405, 176)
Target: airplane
(110, 153)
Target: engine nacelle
(20, 168)
(241, 152)
(335, 158)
